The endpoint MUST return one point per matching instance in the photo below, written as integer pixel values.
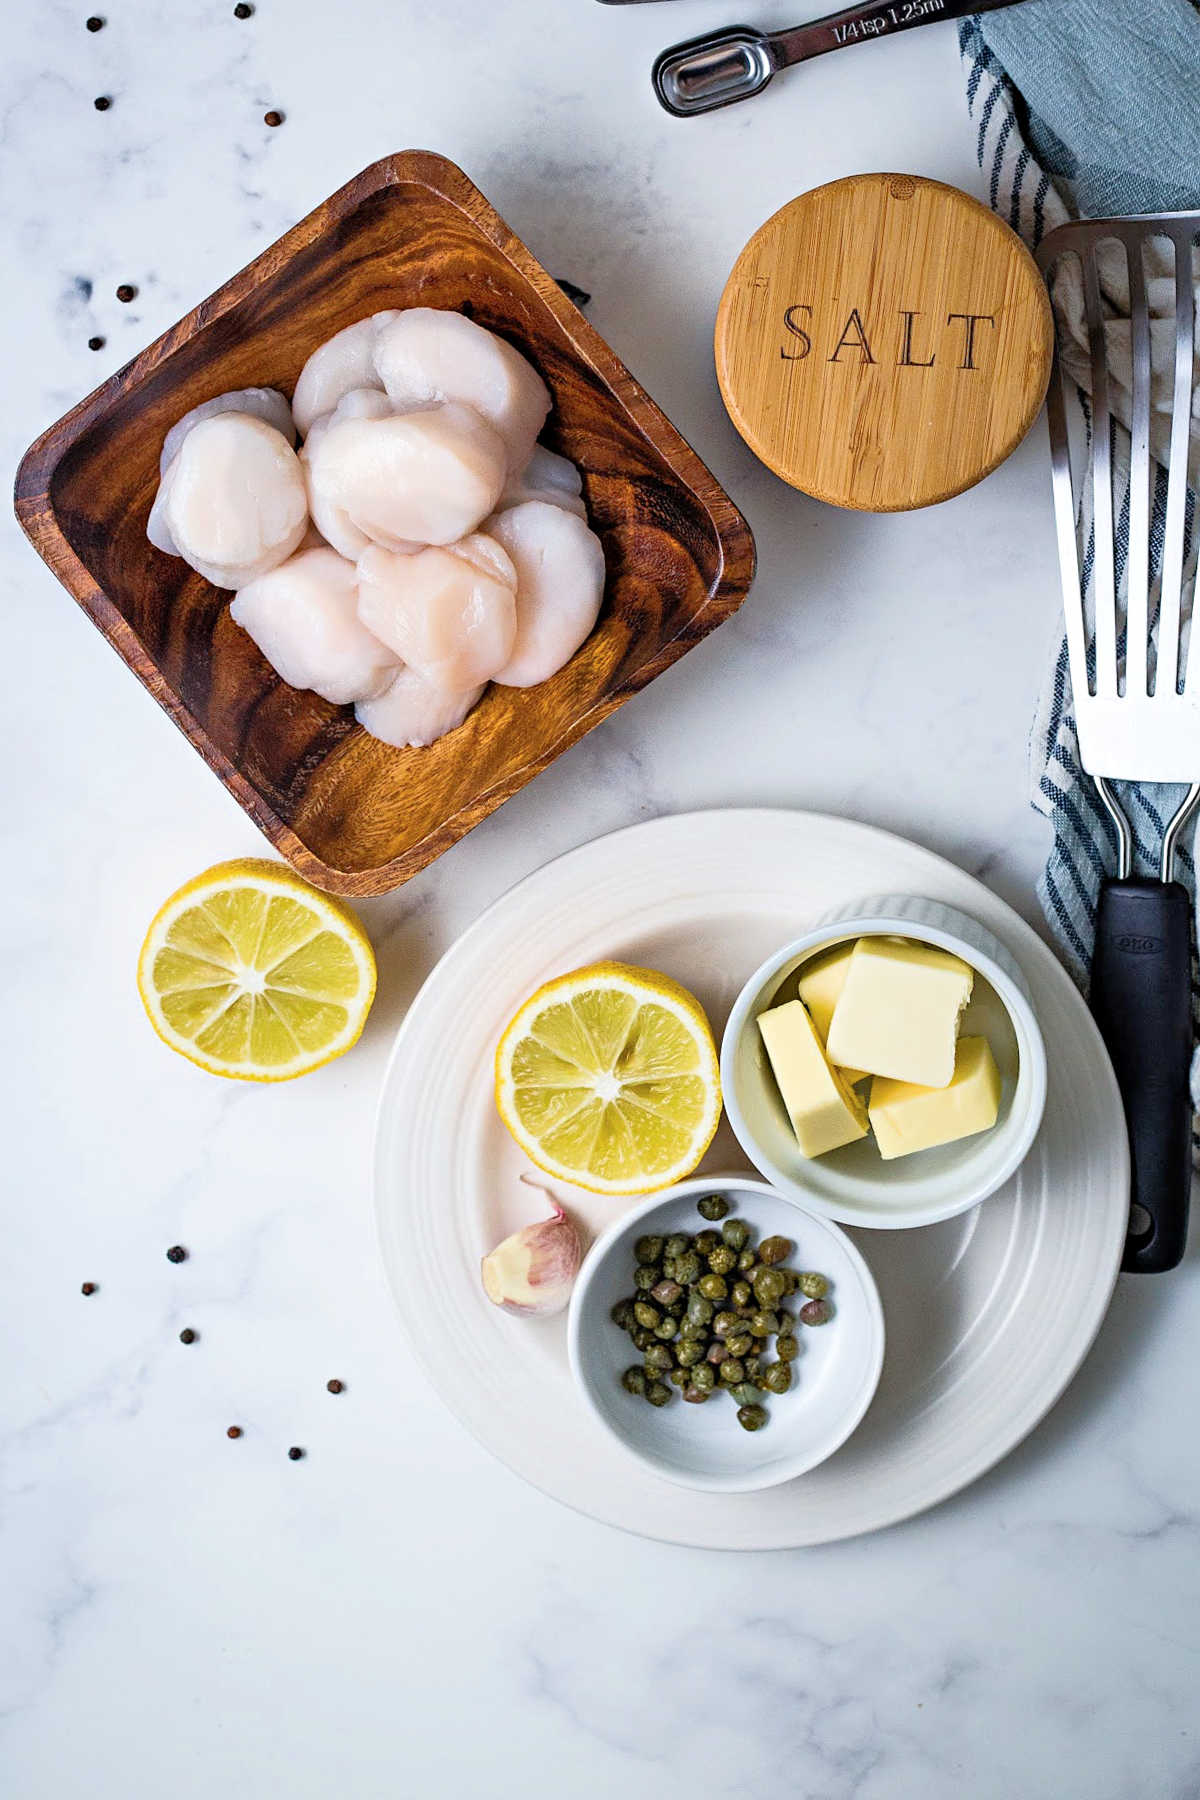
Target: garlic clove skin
(534, 1270)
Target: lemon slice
(251, 973)
(608, 1078)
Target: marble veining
(396, 1614)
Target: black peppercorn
(102, 103)
(335, 1387)
(95, 343)
(242, 11)
(89, 1287)
(126, 292)
(95, 24)
(176, 1253)
(187, 1335)
(295, 1453)
(273, 118)
(234, 1431)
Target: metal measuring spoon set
(721, 67)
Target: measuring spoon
(721, 67)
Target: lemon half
(608, 1078)
(251, 973)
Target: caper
(689, 1352)
(622, 1314)
(777, 1377)
(745, 1393)
(764, 1324)
(724, 1323)
(666, 1329)
(791, 1280)
(713, 1287)
(677, 1243)
(648, 1249)
(646, 1315)
(642, 1339)
(722, 1261)
(658, 1359)
(768, 1285)
(705, 1242)
(816, 1312)
(747, 1261)
(713, 1207)
(740, 1344)
(666, 1291)
(752, 1418)
(731, 1371)
(691, 1328)
(736, 1233)
(754, 1367)
(634, 1380)
(740, 1293)
(677, 1377)
(687, 1268)
(658, 1393)
(699, 1309)
(695, 1396)
(775, 1249)
(704, 1376)
(812, 1285)
(786, 1346)
(645, 1277)
(716, 1353)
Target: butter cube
(899, 1011)
(907, 1118)
(824, 1109)
(820, 984)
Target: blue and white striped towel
(1079, 111)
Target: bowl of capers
(724, 1336)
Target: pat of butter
(820, 986)
(824, 1109)
(907, 1118)
(899, 1011)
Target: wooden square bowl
(352, 814)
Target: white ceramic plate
(988, 1315)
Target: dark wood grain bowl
(352, 814)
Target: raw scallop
(449, 614)
(560, 584)
(330, 519)
(304, 618)
(341, 363)
(267, 404)
(425, 355)
(546, 476)
(427, 476)
(413, 712)
(232, 501)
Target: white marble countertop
(397, 1614)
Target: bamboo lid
(884, 342)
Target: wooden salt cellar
(884, 342)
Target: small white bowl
(855, 1184)
(836, 1372)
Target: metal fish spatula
(1136, 688)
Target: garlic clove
(534, 1270)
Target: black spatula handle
(1141, 997)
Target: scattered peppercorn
(89, 1287)
(335, 1387)
(176, 1253)
(102, 102)
(187, 1335)
(242, 11)
(295, 1453)
(95, 343)
(95, 24)
(273, 118)
(234, 1431)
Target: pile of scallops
(421, 542)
